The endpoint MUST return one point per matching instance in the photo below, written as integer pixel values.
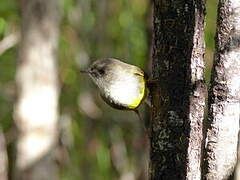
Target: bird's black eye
(101, 71)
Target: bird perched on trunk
(121, 85)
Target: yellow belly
(128, 92)
(136, 101)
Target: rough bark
(36, 108)
(179, 98)
(224, 94)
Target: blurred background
(96, 141)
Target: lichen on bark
(179, 98)
(223, 118)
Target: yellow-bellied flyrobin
(121, 85)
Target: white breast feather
(125, 90)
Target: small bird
(121, 85)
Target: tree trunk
(3, 157)
(36, 109)
(237, 167)
(179, 98)
(224, 95)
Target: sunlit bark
(224, 95)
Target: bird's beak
(85, 71)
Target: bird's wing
(139, 72)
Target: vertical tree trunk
(224, 95)
(179, 99)
(237, 167)
(3, 157)
(37, 86)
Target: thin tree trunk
(237, 167)
(224, 95)
(179, 99)
(36, 109)
(3, 157)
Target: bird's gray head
(103, 71)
